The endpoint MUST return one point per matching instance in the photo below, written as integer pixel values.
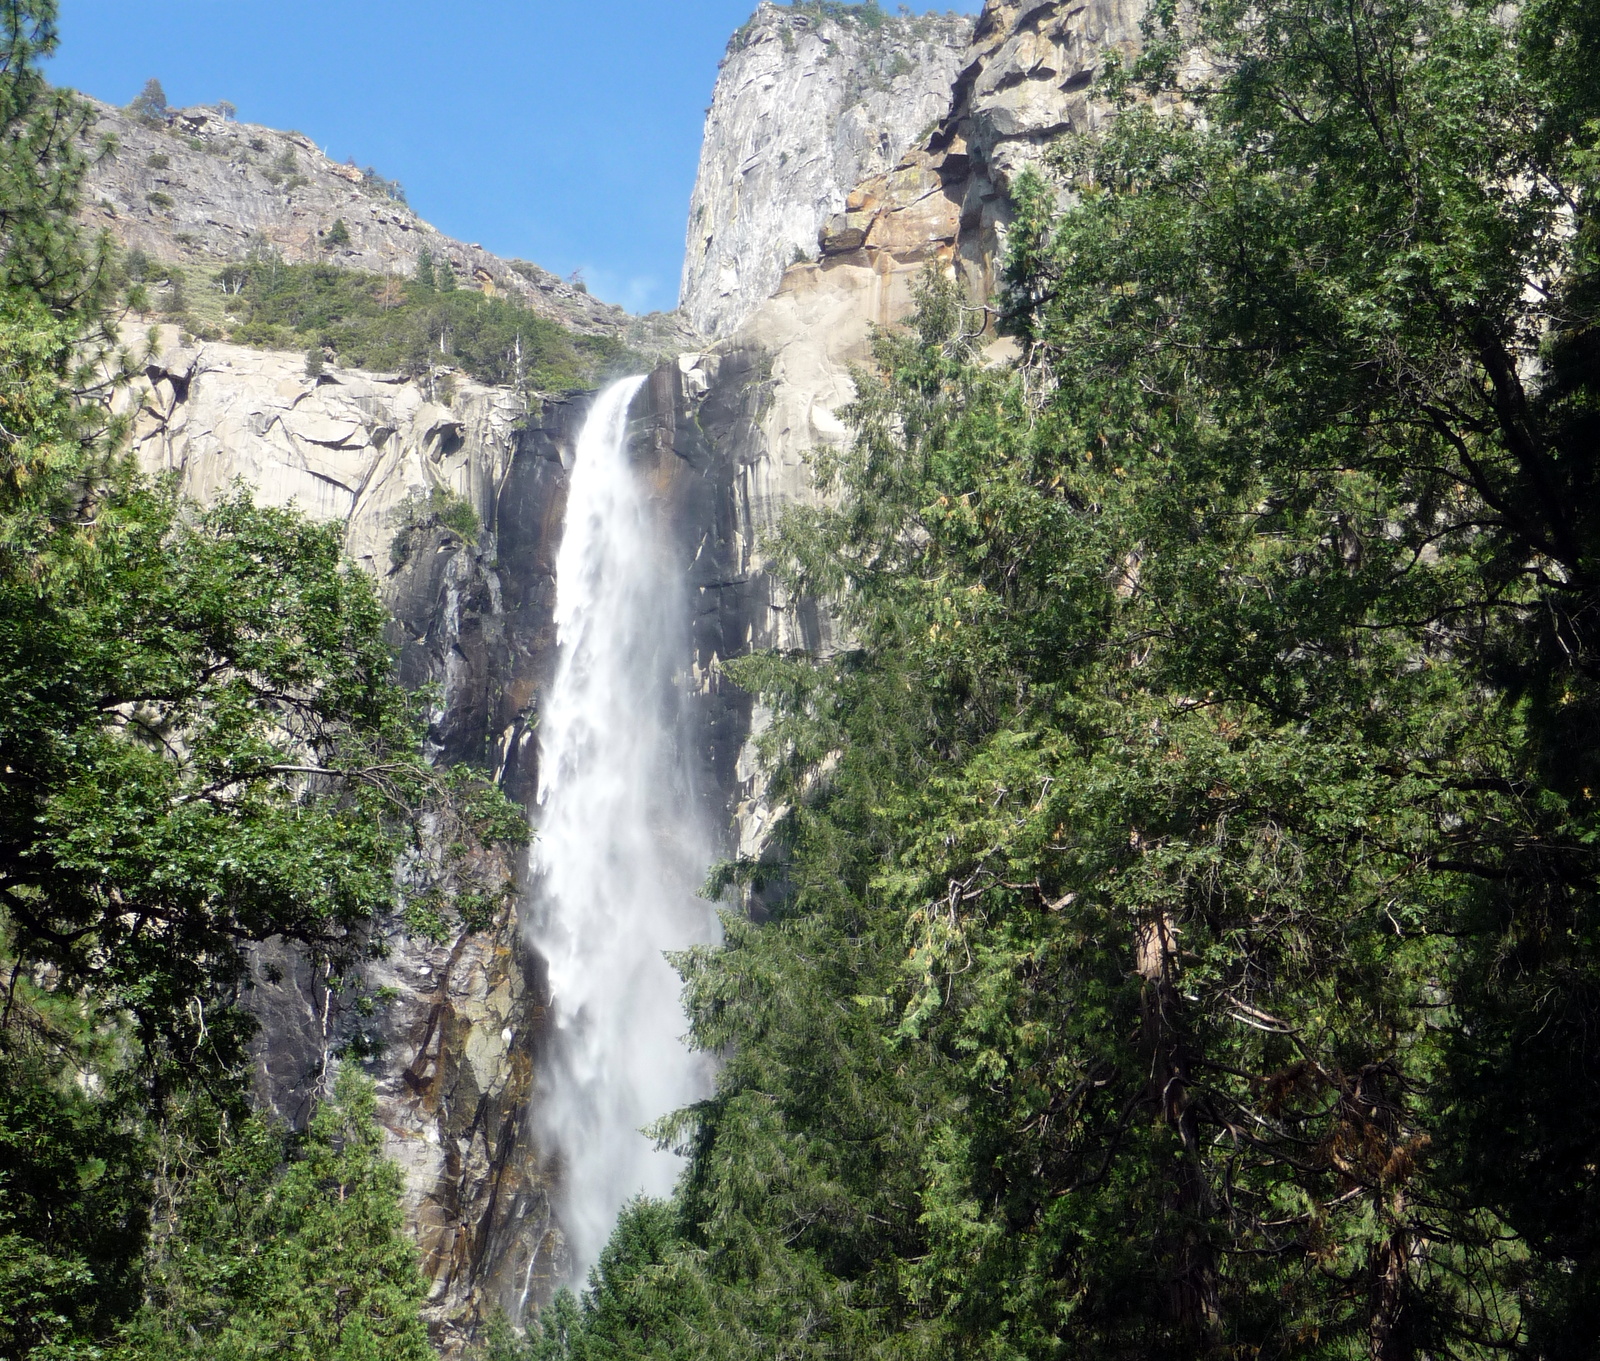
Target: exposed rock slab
(806, 105)
(1026, 79)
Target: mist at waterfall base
(619, 850)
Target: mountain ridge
(194, 187)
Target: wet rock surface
(454, 1041)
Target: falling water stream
(619, 849)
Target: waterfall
(619, 850)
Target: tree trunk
(1191, 1285)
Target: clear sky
(565, 133)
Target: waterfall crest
(619, 852)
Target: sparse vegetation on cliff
(439, 509)
(868, 15)
(150, 104)
(376, 323)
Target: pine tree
(150, 104)
(305, 1259)
(426, 280)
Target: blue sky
(564, 133)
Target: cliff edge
(811, 99)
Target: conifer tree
(1187, 944)
(150, 104)
(426, 278)
(305, 1259)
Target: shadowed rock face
(456, 1049)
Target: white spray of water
(619, 852)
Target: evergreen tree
(150, 104)
(1189, 939)
(305, 1259)
(426, 280)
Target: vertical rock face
(810, 101)
(454, 1050)
(1026, 78)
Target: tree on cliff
(1193, 938)
(150, 104)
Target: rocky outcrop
(1026, 79)
(196, 187)
(810, 100)
(344, 445)
(454, 1048)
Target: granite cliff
(472, 615)
(193, 187)
(810, 100)
(722, 436)
(1026, 77)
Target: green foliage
(338, 235)
(1189, 937)
(74, 1190)
(150, 104)
(205, 748)
(373, 323)
(379, 187)
(202, 746)
(284, 172)
(292, 1249)
(440, 508)
(177, 300)
(554, 1336)
(43, 133)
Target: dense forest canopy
(1184, 931)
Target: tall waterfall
(619, 852)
